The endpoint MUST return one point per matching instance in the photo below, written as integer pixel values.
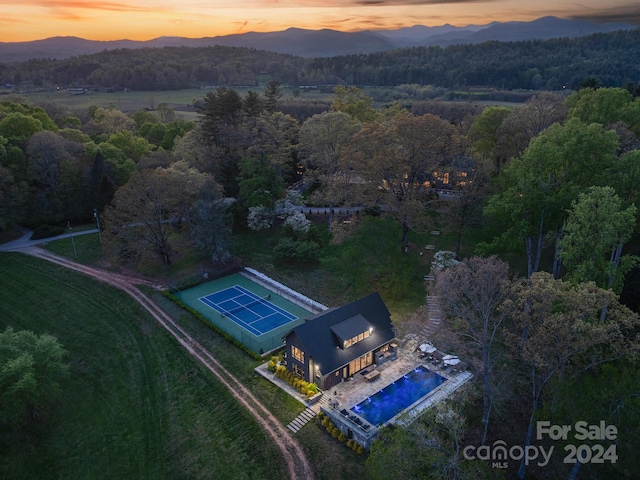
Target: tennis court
(256, 314)
(248, 311)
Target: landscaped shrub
(273, 363)
(337, 434)
(304, 387)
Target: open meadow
(135, 406)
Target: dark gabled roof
(319, 336)
(350, 328)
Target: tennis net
(226, 313)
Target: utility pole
(95, 215)
(75, 253)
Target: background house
(339, 343)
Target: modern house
(334, 345)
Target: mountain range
(324, 43)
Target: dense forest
(613, 59)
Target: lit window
(297, 353)
(357, 338)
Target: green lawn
(136, 404)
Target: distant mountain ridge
(323, 43)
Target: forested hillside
(613, 59)
(551, 186)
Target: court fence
(284, 291)
(262, 346)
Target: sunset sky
(24, 20)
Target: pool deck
(350, 393)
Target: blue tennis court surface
(258, 315)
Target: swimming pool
(394, 398)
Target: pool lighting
(394, 398)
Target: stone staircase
(307, 414)
(433, 309)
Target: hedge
(304, 387)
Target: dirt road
(296, 460)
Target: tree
(107, 121)
(252, 104)
(430, 447)
(398, 157)
(605, 106)
(11, 199)
(354, 102)
(133, 147)
(221, 107)
(209, 226)
(56, 168)
(145, 210)
(32, 372)
(594, 234)
(472, 292)
(323, 137)
(483, 134)
(608, 393)
(100, 183)
(471, 192)
(538, 188)
(275, 136)
(558, 332)
(17, 128)
(521, 125)
(260, 218)
(223, 131)
(119, 167)
(272, 94)
(165, 112)
(625, 177)
(259, 184)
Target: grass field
(181, 101)
(136, 404)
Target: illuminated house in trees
(338, 343)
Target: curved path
(25, 240)
(296, 460)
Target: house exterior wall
(292, 362)
(351, 430)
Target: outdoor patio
(347, 394)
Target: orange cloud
(144, 19)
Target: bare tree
(559, 333)
(516, 131)
(471, 292)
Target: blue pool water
(402, 393)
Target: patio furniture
(372, 375)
